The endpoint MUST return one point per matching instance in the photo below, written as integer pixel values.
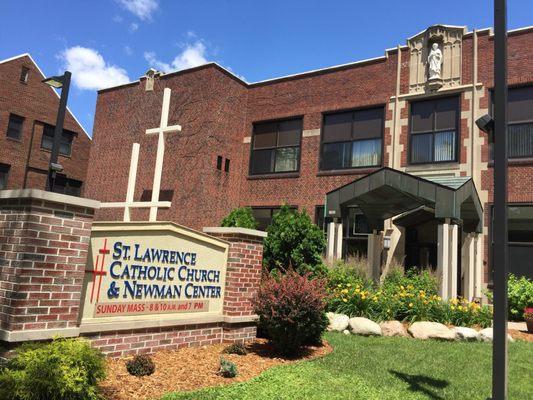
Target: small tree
(294, 242)
(241, 217)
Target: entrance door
(421, 246)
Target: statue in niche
(435, 61)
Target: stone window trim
(434, 130)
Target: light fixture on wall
(386, 242)
(486, 124)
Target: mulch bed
(194, 368)
(521, 335)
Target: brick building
(28, 110)
(384, 152)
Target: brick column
(44, 240)
(245, 260)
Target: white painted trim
(311, 132)
(247, 139)
(51, 88)
(37, 334)
(49, 196)
(231, 230)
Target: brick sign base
(44, 241)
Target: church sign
(144, 270)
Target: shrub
(227, 369)
(519, 296)
(292, 310)
(236, 348)
(65, 369)
(241, 217)
(294, 242)
(140, 365)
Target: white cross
(154, 204)
(161, 131)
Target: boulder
(431, 330)
(464, 333)
(364, 326)
(393, 328)
(487, 335)
(337, 322)
(346, 332)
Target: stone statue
(435, 62)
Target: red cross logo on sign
(98, 270)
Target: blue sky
(108, 42)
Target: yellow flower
(349, 285)
(357, 290)
(452, 307)
(410, 305)
(345, 300)
(388, 310)
(425, 301)
(339, 285)
(344, 290)
(363, 297)
(401, 287)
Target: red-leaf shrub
(291, 309)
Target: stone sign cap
(49, 196)
(233, 230)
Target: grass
(385, 368)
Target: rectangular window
(226, 165)
(520, 123)
(65, 142)
(219, 163)
(276, 147)
(352, 139)
(14, 127)
(264, 215)
(24, 72)
(520, 237)
(433, 126)
(4, 173)
(68, 186)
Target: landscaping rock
(337, 322)
(346, 332)
(431, 330)
(464, 333)
(393, 328)
(487, 335)
(364, 326)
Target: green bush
(236, 348)
(519, 296)
(405, 297)
(227, 369)
(65, 369)
(294, 242)
(241, 217)
(140, 365)
(291, 309)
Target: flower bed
(411, 297)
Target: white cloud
(141, 8)
(128, 50)
(118, 19)
(89, 69)
(133, 27)
(193, 54)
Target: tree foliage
(241, 217)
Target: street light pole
(500, 259)
(54, 166)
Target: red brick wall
(38, 105)
(43, 251)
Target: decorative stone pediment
(437, 46)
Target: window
(520, 120)
(65, 142)
(24, 72)
(276, 147)
(219, 163)
(433, 136)
(352, 139)
(520, 237)
(226, 165)
(264, 215)
(14, 127)
(68, 186)
(4, 172)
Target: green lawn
(385, 368)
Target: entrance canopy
(388, 192)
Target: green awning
(388, 192)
